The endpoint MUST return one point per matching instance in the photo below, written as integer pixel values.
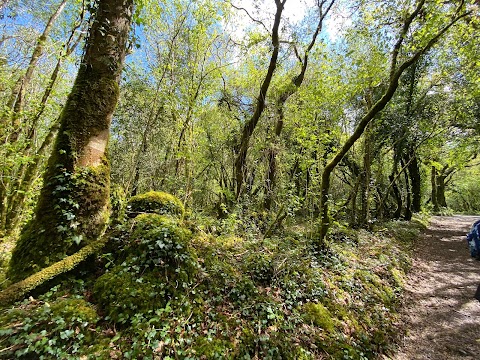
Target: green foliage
(63, 329)
(222, 289)
(463, 192)
(404, 231)
(166, 293)
(123, 295)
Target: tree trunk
(73, 206)
(10, 122)
(441, 200)
(367, 172)
(415, 181)
(16, 207)
(280, 105)
(408, 200)
(396, 192)
(17, 98)
(250, 125)
(433, 180)
(26, 174)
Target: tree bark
(367, 168)
(441, 200)
(73, 205)
(396, 192)
(408, 197)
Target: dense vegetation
(245, 179)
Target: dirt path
(441, 316)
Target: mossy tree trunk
(72, 209)
(408, 193)
(396, 192)
(415, 178)
(441, 200)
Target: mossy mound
(121, 295)
(155, 262)
(156, 202)
(61, 330)
(158, 242)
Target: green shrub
(159, 241)
(259, 265)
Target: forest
(226, 179)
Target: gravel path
(441, 316)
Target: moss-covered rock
(155, 202)
(158, 241)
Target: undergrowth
(174, 288)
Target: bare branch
(250, 16)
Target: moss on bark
(73, 203)
(18, 290)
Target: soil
(441, 315)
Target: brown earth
(441, 316)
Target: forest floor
(441, 316)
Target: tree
(32, 114)
(409, 45)
(290, 89)
(251, 124)
(72, 209)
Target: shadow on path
(441, 316)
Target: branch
(250, 16)
(398, 45)
(16, 291)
